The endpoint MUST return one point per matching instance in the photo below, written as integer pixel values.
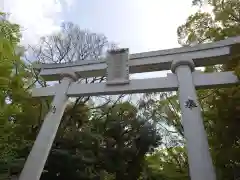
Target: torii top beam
(202, 55)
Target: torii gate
(118, 64)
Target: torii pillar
(36, 160)
(199, 158)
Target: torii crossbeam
(116, 67)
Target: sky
(140, 25)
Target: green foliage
(169, 164)
(7, 58)
(205, 27)
(17, 112)
(114, 142)
(8, 30)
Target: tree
(168, 163)
(69, 45)
(14, 79)
(8, 43)
(170, 160)
(115, 141)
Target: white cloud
(161, 20)
(36, 17)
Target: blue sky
(140, 25)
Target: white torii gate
(118, 64)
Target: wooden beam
(202, 55)
(169, 83)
